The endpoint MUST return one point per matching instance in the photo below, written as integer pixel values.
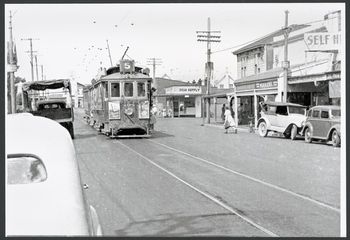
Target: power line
(257, 39)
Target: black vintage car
(39, 103)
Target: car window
(271, 110)
(335, 113)
(282, 110)
(309, 113)
(297, 110)
(324, 114)
(24, 169)
(316, 113)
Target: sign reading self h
(323, 41)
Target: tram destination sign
(269, 84)
(183, 90)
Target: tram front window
(115, 90)
(141, 91)
(128, 89)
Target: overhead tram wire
(257, 39)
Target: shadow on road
(172, 224)
(83, 136)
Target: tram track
(284, 190)
(214, 199)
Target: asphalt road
(193, 180)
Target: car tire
(307, 135)
(286, 135)
(335, 139)
(293, 132)
(262, 129)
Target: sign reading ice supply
(323, 41)
(270, 84)
(183, 90)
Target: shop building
(175, 98)
(313, 77)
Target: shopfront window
(115, 89)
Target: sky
(71, 38)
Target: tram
(118, 104)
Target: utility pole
(286, 62)
(36, 66)
(31, 55)
(109, 54)
(42, 72)
(208, 37)
(154, 62)
(12, 61)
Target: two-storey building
(313, 76)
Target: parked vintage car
(286, 118)
(323, 123)
(44, 193)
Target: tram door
(176, 108)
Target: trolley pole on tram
(109, 54)
(206, 36)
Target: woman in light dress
(229, 122)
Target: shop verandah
(308, 90)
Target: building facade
(313, 76)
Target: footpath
(240, 128)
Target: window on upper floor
(256, 68)
(221, 86)
(230, 85)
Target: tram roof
(119, 76)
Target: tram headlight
(129, 111)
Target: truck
(39, 99)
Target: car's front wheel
(335, 139)
(293, 132)
(307, 135)
(262, 128)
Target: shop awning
(325, 76)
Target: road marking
(252, 178)
(204, 194)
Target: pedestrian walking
(229, 122)
(223, 112)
